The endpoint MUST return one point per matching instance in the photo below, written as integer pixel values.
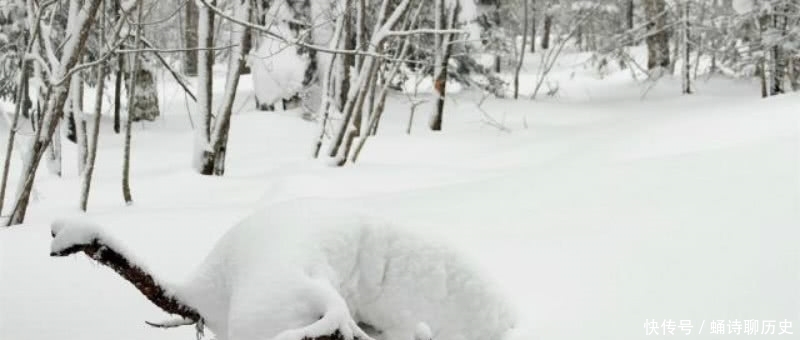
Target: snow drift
(304, 270)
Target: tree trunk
(522, 49)
(76, 103)
(215, 159)
(54, 109)
(12, 133)
(444, 49)
(497, 59)
(145, 102)
(118, 93)
(92, 150)
(629, 15)
(347, 60)
(190, 37)
(203, 153)
(658, 37)
(687, 49)
(548, 23)
(327, 87)
(533, 26)
(134, 72)
(118, 76)
(778, 65)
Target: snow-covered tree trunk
(327, 88)
(384, 24)
(92, 150)
(212, 161)
(205, 32)
(72, 50)
(80, 123)
(658, 36)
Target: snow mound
(278, 71)
(303, 269)
(71, 232)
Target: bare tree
(59, 89)
(212, 159)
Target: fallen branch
(154, 291)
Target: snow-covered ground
(595, 210)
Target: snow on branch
(77, 235)
(299, 41)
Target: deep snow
(603, 207)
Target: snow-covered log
(74, 236)
(311, 270)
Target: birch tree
(212, 146)
(61, 68)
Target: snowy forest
(399, 169)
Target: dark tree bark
(533, 26)
(144, 282)
(118, 93)
(548, 23)
(629, 15)
(522, 49)
(145, 101)
(445, 49)
(497, 60)
(118, 77)
(658, 36)
(190, 37)
(347, 60)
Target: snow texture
(302, 269)
(743, 6)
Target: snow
(605, 204)
(743, 6)
(72, 232)
(276, 272)
(278, 70)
